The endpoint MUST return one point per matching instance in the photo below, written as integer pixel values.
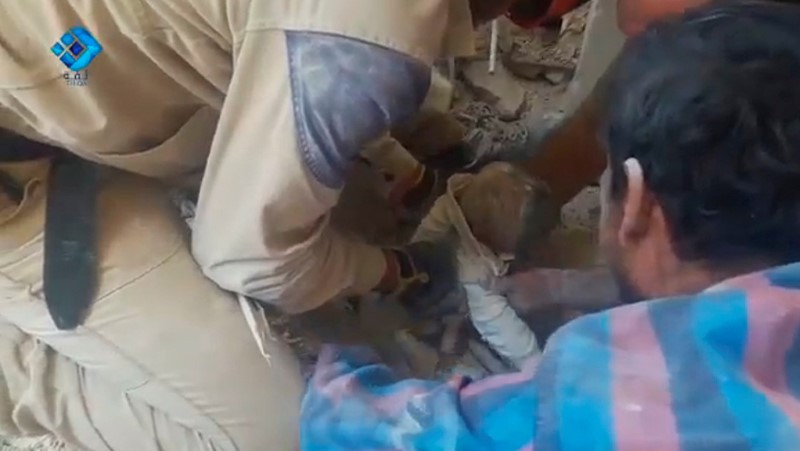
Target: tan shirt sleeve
(312, 84)
(262, 220)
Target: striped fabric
(716, 371)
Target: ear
(636, 206)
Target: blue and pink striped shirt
(716, 371)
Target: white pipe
(493, 47)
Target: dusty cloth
(224, 89)
(491, 315)
(714, 370)
(164, 360)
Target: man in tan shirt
(265, 102)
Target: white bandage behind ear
(633, 169)
(633, 197)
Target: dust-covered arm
(299, 108)
(580, 289)
(591, 288)
(500, 326)
(570, 157)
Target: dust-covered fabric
(500, 326)
(717, 370)
(490, 313)
(476, 261)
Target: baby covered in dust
(496, 215)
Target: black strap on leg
(11, 188)
(70, 248)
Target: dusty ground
(527, 89)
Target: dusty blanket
(718, 370)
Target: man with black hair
(571, 156)
(701, 223)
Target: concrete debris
(556, 76)
(575, 21)
(549, 37)
(528, 59)
(499, 89)
(544, 53)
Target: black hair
(709, 104)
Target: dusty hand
(431, 274)
(590, 288)
(529, 290)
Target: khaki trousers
(165, 360)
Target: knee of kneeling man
(284, 284)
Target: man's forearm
(571, 156)
(580, 289)
(592, 289)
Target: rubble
(544, 53)
(531, 55)
(498, 89)
(556, 76)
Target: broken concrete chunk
(532, 54)
(498, 89)
(532, 69)
(555, 76)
